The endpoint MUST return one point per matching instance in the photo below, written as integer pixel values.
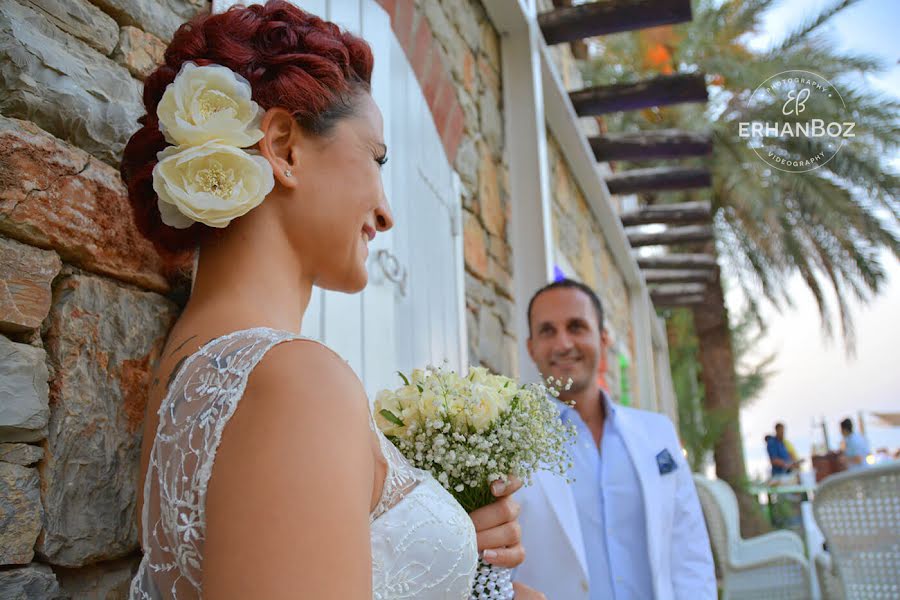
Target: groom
(630, 526)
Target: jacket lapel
(562, 503)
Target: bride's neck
(250, 277)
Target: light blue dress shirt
(610, 508)
(856, 445)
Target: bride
(263, 474)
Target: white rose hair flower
(212, 184)
(208, 113)
(209, 103)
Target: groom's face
(566, 341)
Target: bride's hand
(497, 527)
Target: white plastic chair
(768, 567)
(859, 513)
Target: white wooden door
(412, 313)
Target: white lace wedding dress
(423, 542)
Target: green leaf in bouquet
(390, 417)
(403, 377)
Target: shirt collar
(567, 412)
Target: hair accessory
(207, 113)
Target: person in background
(856, 448)
(630, 526)
(783, 462)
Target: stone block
(491, 121)
(467, 161)
(466, 19)
(24, 392)
(139, 52)
(489, 197)
(475, 246)
(502, 282)
(478, 294)
(55, 196)
(101, 340)
(25, 277)
(34, 582)
(159, 17)
(491, 343)
(20, 454)
(107, 580)
(20, 513)
(80, 19)
(490, 45)
(489, 78)
(63, 85)
(470, 113)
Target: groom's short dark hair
(570, 284)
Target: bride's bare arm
(288, 502)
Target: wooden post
(659, 91)
(688, 234)
(678, 261)
(678, 275)
(658, 178)
(683, 213)
(646, 145)
(610, 16)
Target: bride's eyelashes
(381, 160)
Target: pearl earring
(288, 173)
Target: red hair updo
(292, 60)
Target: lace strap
(204, 395)
(401, 477)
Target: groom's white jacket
(680, 558)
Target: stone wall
(85, 302)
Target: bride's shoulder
(309, 385)
(296, 453)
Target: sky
(814, 377)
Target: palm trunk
(719, 381)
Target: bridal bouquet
(469, 431)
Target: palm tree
(829, 225)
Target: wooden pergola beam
(683, 213)
(677, 289)
(689, 234)
(659, 91)
(677, 301)
(658, 179)
(678, 261)
(678, 275)
(647, 145)
(610, 16)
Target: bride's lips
(369, 231)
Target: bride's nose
(384, 220)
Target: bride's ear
(278, 145)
